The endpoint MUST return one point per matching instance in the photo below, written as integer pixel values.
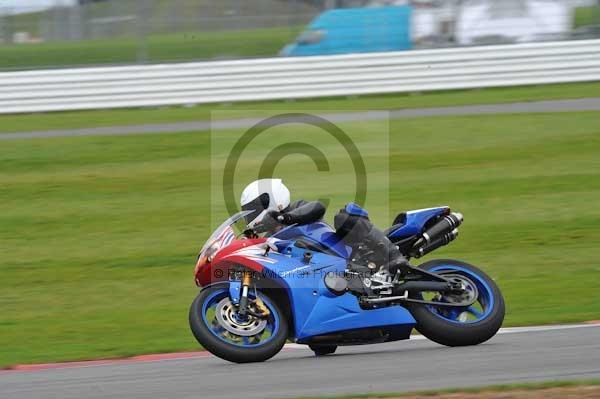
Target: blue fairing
(319, 233)
(315, 309)
(415, 221)
(356, 210)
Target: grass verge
(587, 16)
(184, 46)
(81, 119)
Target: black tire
(454, 334)
(228, 351)
(322, 350)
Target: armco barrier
(299, 77)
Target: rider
(269, 199)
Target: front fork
(238, 293)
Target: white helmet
(262, 196)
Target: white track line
(512, 330)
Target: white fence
(301, 77)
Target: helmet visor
(257, 205)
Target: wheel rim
(479, 310)
(221, 319)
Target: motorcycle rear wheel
(211, 332)
(470, 325)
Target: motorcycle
(305, 284)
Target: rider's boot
(388, 261)
(374, 256)
(391, 257)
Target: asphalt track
(515, 356)
(584, 104)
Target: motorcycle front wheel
(218, 327)
(460, 326)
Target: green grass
(98, 235)
(80, 119)
(161, 15)
(185, 31)
(587, 16)
(161, 47)
(535, 386)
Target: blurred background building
(144, 31)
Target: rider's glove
(284, 218)
(270, 221)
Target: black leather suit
(298, 212)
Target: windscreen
(219, 230)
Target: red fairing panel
(239, 252)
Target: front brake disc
(227, 316)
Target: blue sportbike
(306, 284)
